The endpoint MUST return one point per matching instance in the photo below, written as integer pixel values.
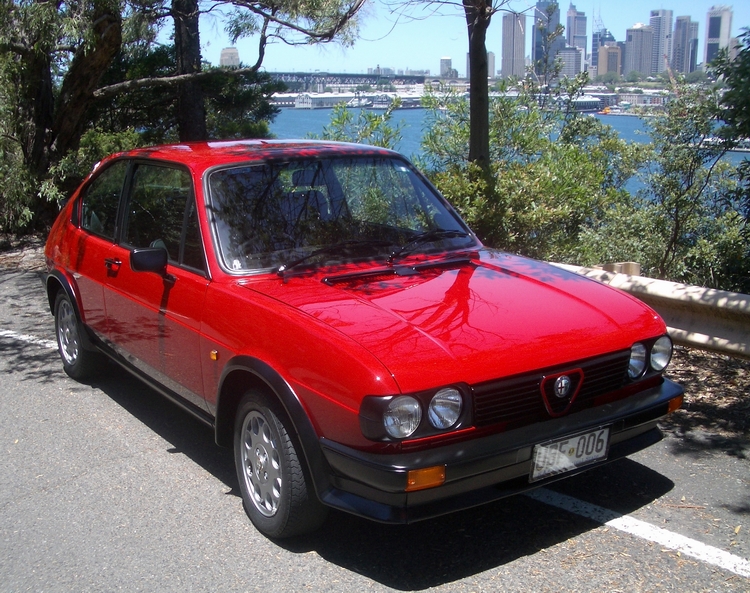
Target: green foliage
(557, 187)
(363, 126)
(554, 172)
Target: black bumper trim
(484, 469)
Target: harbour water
(302, 123)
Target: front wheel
(78, 362)
(277, 496)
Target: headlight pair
(644, 355)
(403, 415)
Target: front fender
(233, 384)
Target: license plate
(569, 453)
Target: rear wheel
(78, 362)
(277, 495)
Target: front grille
(517, 401)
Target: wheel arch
(56, 282)
(243, 373)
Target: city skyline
(419, 43)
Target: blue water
(300, 123)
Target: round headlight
(637, 363)
(402, 417)
(445, 408)
(661, 353)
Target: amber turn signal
(428, 477)
(674, 404)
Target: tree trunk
(478, 17)
(82, 79)
(191, 110)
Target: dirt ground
(717, 387)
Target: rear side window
(101, 199)
(161, 213)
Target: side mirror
(149, 259)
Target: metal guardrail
(698, 317)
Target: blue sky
(419, 43)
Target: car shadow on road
(421, 555)
(460, 545)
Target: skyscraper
(446, 67)
(599, 38)
(639, 41)
(572, 61)
(685, 45)
(514, 45)
(229, 58)
(546, 19)
(718, 31)
(575, 32)
(661, 50)
(610, 59)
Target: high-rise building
(685, 45)
(514, 44)
(661, 50)
(572, 61)
(718, 31)
(546, 19)
(491, 64)
(575, 32)
(610, 59)
(446, 67)
(599, 38)
(229, 58)
(639, 41)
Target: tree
(55, 58)
(477, 15)
(555, 172)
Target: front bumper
(483, 469)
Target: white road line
(673, 541)
(4, 333)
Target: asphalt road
(108, 487)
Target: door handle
(112, 263)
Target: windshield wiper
(335, 248)
(426, 237)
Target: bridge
(317, 81)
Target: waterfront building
(575, 32)
(546, 19)
(229, 58)
(513, 62)
(610, 59)
(718, 31)
(661, 48)
(685, 45)
(639, 41)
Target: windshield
(271, 214)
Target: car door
(153, 319)
(90, 256)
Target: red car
(328, 314)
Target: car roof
(211, 153)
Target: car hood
(470, 319)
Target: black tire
(277, 495)
(78, 363)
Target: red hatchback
(326, 312)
